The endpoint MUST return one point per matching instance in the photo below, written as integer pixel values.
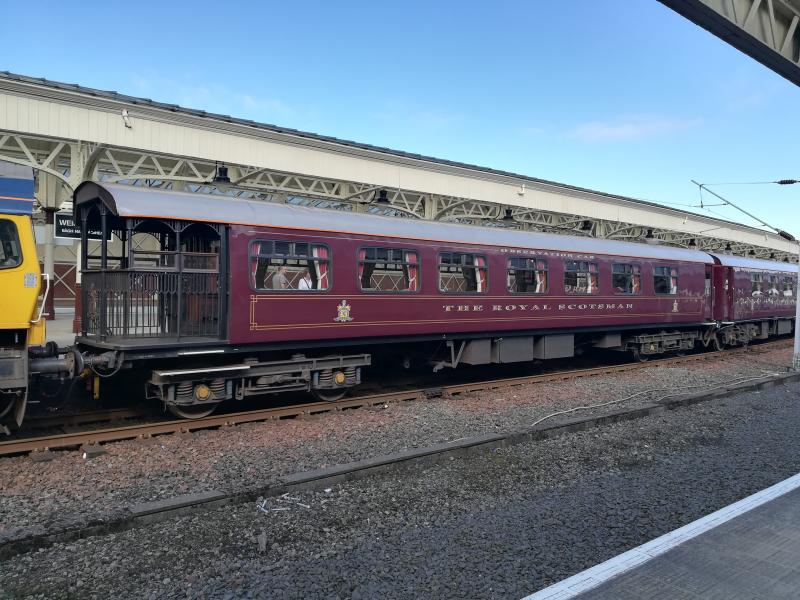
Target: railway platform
(747, 550)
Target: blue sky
(622, 96)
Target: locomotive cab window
(665, 280)
(10, 255)
(527, 276)
(462, 273)
(288, 265)
(392, 270)
(580, 277)
(626, 279)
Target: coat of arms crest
(343, 312)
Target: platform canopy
(70, 134)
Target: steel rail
(83, 418)
(71, 440)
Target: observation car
(201, 299)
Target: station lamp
(221, 178)
(381, 197)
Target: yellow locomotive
(23, 350)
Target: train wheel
(638, 356)
(329, 395)
(7, 402)
(715, 344)
(196, 411)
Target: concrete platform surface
(59, 329)
(748, 550)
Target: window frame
(418, 264)
(439, 265)
(536, 259)
(21, 257)
(790, 280)
(251, 256)
(773, 282)
(669, 269)
(632, 273)
(588, 272)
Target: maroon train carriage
(207, 298)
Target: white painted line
(613, 567)
(197, 352)
(193, 371)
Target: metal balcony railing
(147, 304)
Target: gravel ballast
(70, 490)
(500, 524)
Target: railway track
(84, 418)
(146, 430)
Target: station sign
(66, 227)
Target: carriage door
(202, 280)
(708, 313)
(722, 292)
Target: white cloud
(630, 128)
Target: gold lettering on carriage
(582, 306)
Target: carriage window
(757, 281)
(665, 280)
(527, 275)
(772, 290)
(10, 255)
(281, 265)
(462, 273)
(626, 279)
(580, 277)
(788, 287)
(388, 270)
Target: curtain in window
(673, 281)
(255, 264)
(362, 254)
(321, 266)
(480, 272)
(541, 282)
(636, 285)
(591, 280)
(411, 259)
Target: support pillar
(428, 208)
(49, 260)
(796, 354)
(77, 320)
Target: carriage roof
(133, 202)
